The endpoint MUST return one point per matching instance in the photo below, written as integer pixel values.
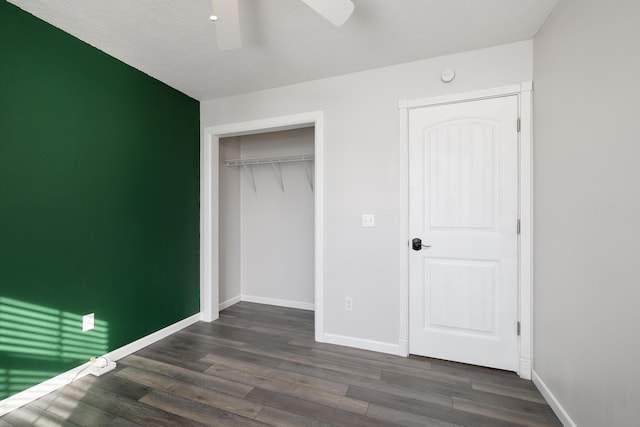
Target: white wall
(277, 226)
(230, 225)
(587, 210)
(362, 170)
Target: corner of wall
(558, 409)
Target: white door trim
(209, 165)
(525, 211)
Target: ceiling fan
(227, 20)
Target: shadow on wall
(36, 336)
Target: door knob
(416, 244)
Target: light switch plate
(368, 220)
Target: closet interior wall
(229, 226)
(267, 234)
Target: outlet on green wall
(99, 202)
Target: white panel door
(463, 161)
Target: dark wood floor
(259, 365)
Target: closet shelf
(276, 162)
(269, 160)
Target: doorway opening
(210, 205)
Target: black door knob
(416, 244)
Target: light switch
(368, 220)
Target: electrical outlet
(88, 322)
(348, 304)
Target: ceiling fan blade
(335, 11)
(227, 23)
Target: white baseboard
(403, 348)
(37, 391)
(229, 302)
(151, 338)
(381, 347)
(278, 302)
(525, 369)
(562, 415)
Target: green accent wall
(99, 202)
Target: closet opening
(266, 218)
(226, 250)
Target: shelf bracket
(307, 168)
(278, 170)
(250, 177)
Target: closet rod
(269, 160)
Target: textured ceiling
(284, 41)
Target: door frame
(525, 211)
(209, 204)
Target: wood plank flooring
(259, 365)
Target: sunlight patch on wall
(13, 381)
(33, 334)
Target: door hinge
(518, 328)
(518, 226)
(518, 124)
